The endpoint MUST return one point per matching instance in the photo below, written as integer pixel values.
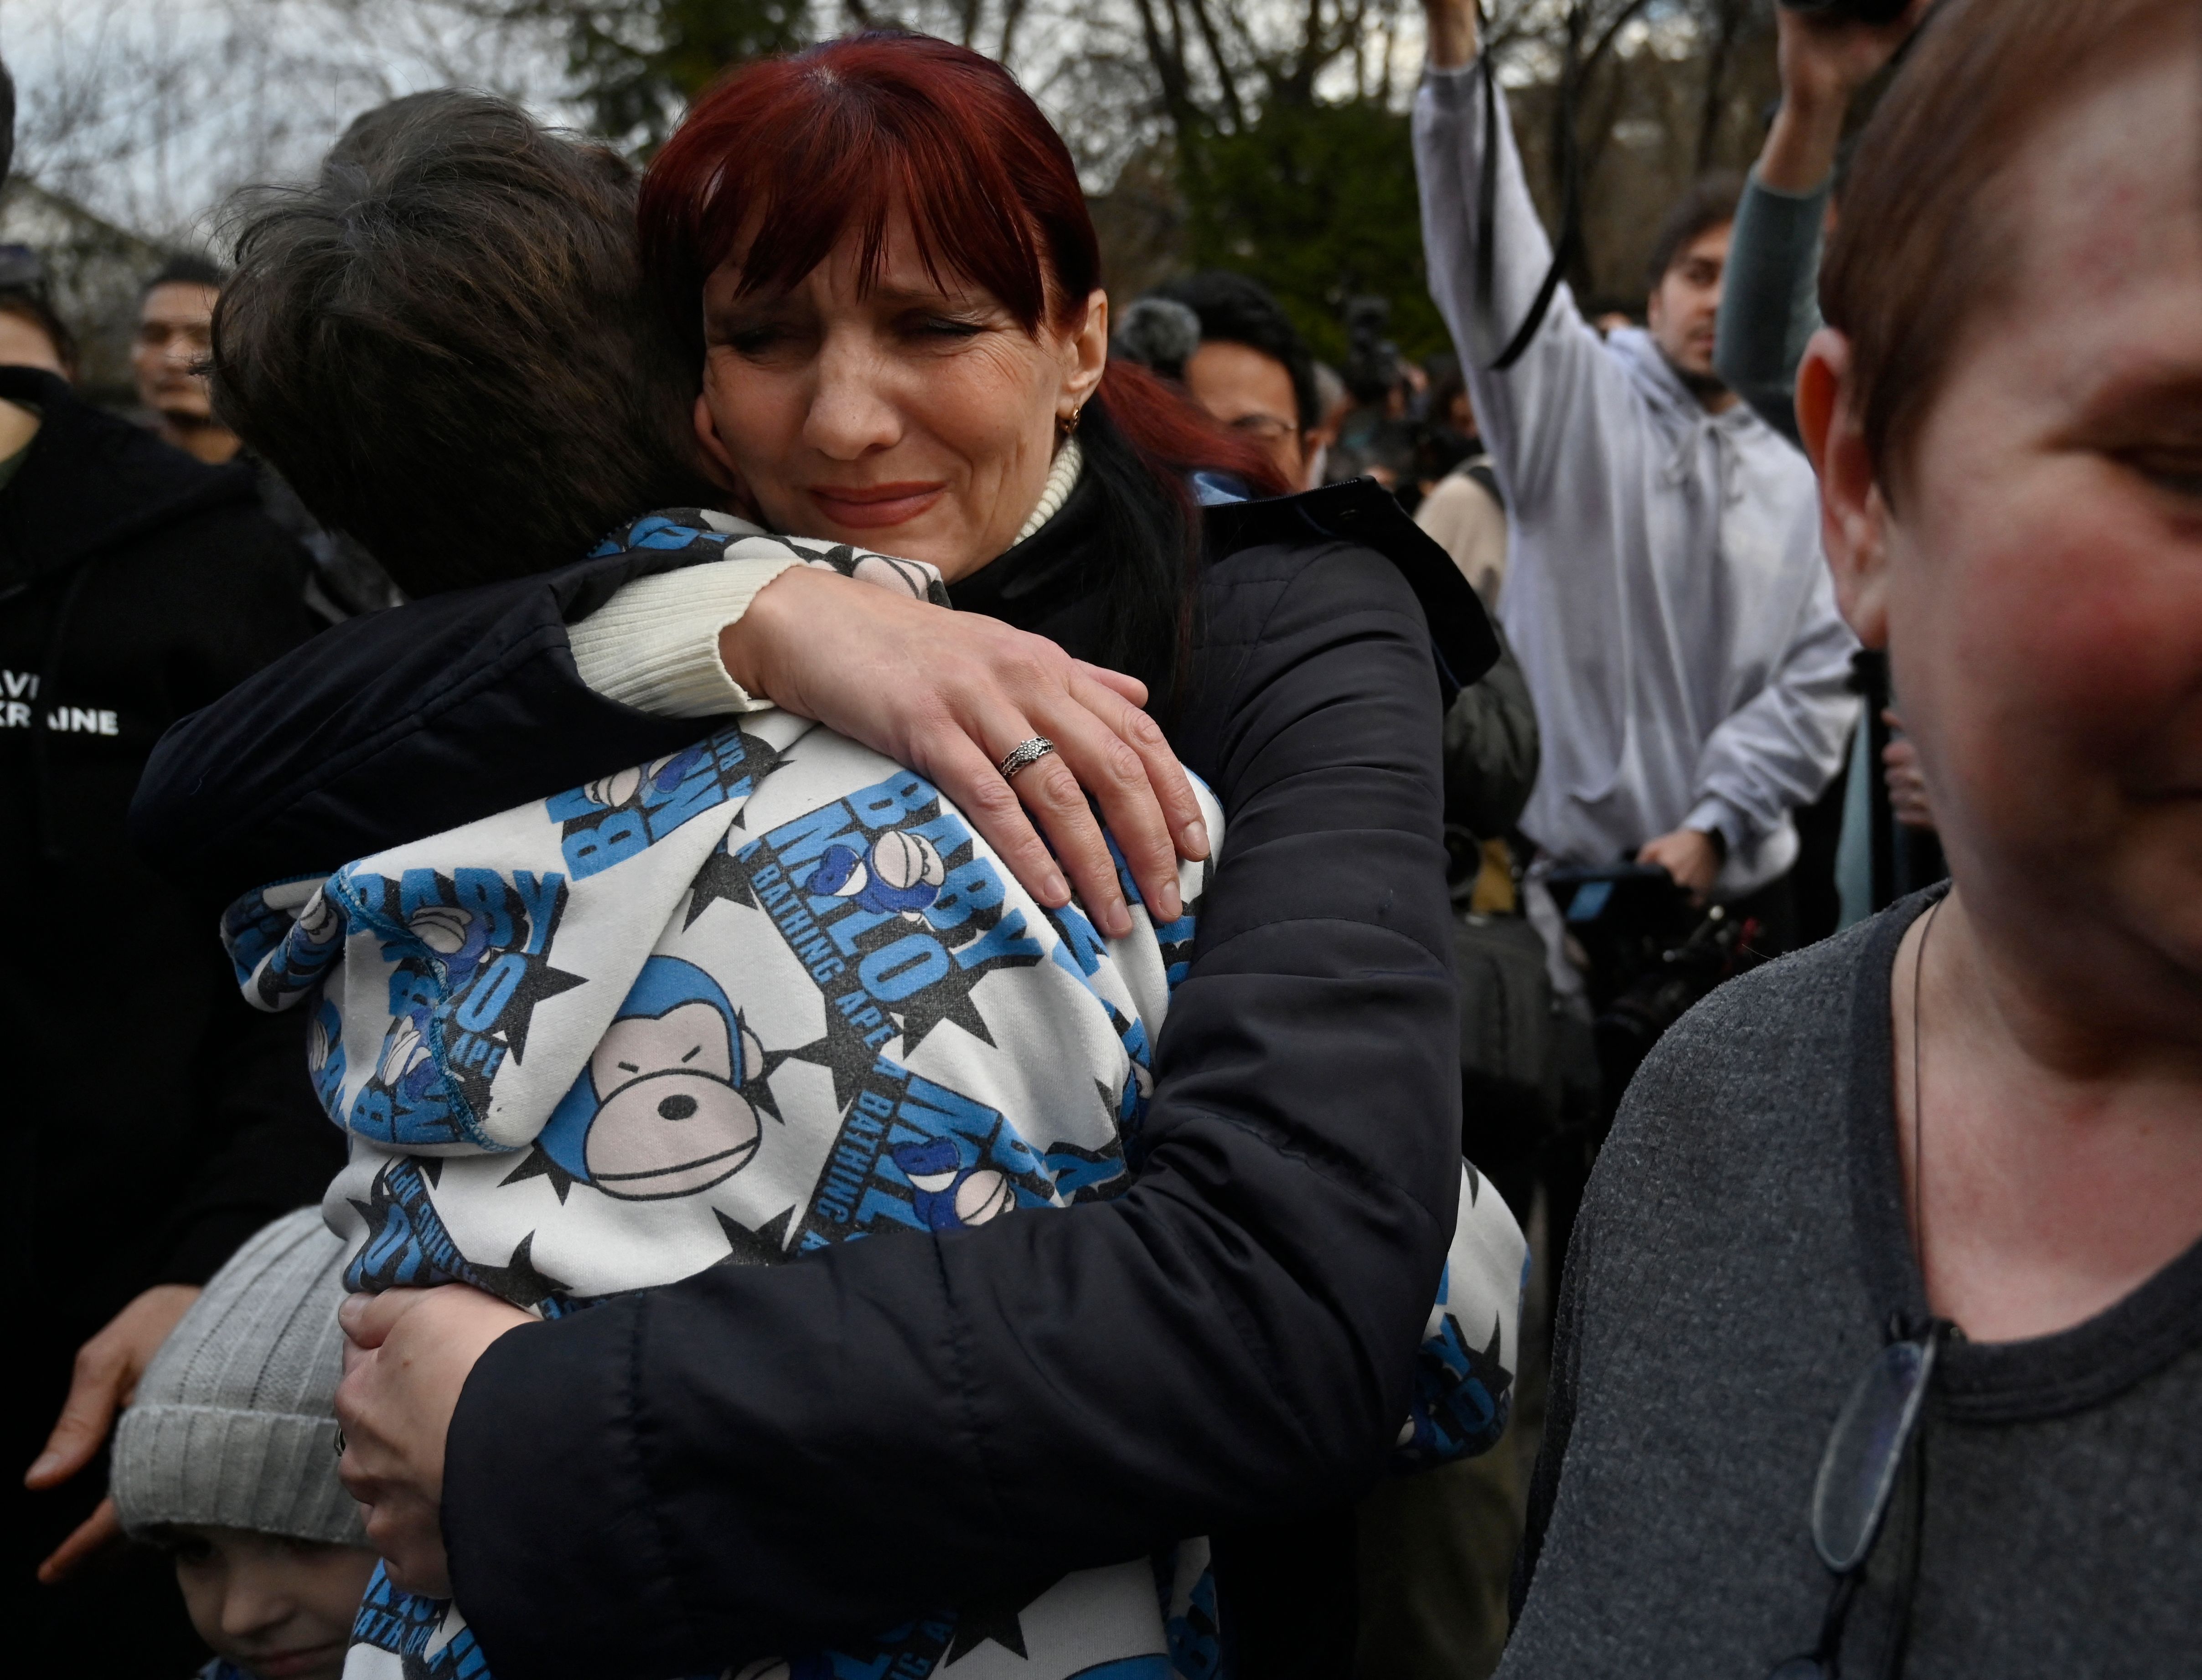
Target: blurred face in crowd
(175, 335)
(176, 328)
(1252, 394)
(2034, 563)
(279, 1609)
(1684, 309)
(919, 417)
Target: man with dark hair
(175, 317)
(153, 1120)
(1665, 592)
(1249, 369)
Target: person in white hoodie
(1665, 591)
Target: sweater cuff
(1713, 815)
(655, 644)
(1812, 202)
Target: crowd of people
(1586, 940)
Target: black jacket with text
(758, 1459)
(154, 1121)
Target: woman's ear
(1085, 353)
(1853, 514)
(717, 463)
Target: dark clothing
(154, 1121)
(1491, 751)
(726, 1480)
(1742, 1251)
(344, 579)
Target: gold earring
(1066, 424)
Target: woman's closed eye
(2176, 468)
(941, 328)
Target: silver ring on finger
(1023, 755)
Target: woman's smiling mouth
(869, 507)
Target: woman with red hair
(881, 257)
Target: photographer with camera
(1665, 593)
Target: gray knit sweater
(1741, 1248)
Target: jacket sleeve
(1491, 750)
(390, 727)
(1542, 416)
(264, 1145)
(1770, 300)
(759, 1458)
(260, 1144)
(1778, 751)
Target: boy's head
(227, 1456)
(444, 346)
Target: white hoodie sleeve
(1778, 751)
(1547, 415)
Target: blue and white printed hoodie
(763, 995)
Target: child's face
(281, 1609)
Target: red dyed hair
(806, 147)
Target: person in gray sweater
(1880, 1342)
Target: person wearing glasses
(1880, 1343)
(1248, 366)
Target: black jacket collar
(1050, 582)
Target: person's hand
(1690, 856)
(1824, 61)
(1450, 31)
(1907, 787)
(948, 694)
(108, 1368)
(407, 1355)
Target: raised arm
(1770, 304)
(759, 1458)
(1537, 412)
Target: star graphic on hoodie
(995, 1618)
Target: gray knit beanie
(234, 1425)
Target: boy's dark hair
(187, 268)
(1710, 202)
(1234, 309)
(443, 345)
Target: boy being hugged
(766, 993)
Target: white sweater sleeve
(655, 644)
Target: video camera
(1372, 360)
(1652, 955)
(1875, 12)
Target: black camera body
(1651, 955)
(1851, 11)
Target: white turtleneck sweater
(655, 644)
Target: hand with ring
(974, 705)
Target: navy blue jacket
(758, 1459)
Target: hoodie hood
(121, 483)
